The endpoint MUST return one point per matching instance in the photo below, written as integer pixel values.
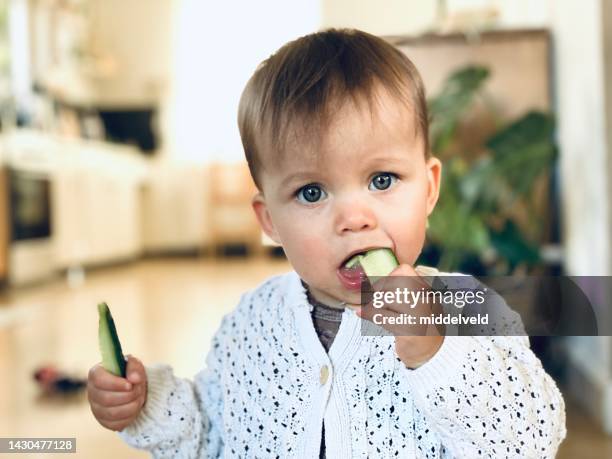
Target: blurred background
(122, 178)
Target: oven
(31, 249)
(4, 225)
(30, 207)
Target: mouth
(351, 274)
(348, 262)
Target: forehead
(352, 131)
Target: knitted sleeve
(182, 418)
(489, 397)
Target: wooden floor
(166, 311)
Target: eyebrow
(370, 162)
(298, 176)
(398, 159)
(384, 160)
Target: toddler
(335, 131)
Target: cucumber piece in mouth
(110, 347)
(375, 263)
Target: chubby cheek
(410, 244)
(407, 229)
(308, 253)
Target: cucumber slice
(110, 347)
(353, 261)
(375, 263)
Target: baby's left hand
(415, 345)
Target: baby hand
(414, 344)
(115, 401)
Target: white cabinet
(95, 203)
(174, 208)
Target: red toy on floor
(53, 381)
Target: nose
(353, 217)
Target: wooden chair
(230, 217)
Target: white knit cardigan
(268, 385)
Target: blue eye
(310, 194)
(382, 181)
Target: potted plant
(488, 219)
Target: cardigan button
(324, 375)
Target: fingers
(117, 413)
(110, 398)
(404, 270)
(408, 271)
(116, 426)
(104, 380)
(403, 276)
(116, 417)
(135, 371)
(398, 301)
(117, 401)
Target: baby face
(367, 186)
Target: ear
(434, 176)
(263, 216)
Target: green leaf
(523, 151)
(533, 128)
(511, 245)
(449, 106)
(454, 226)
(476, 182)
(476, 194)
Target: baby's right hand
(117, 401)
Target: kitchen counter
(94, 192)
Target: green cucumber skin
(375, 263)
(110, 347)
